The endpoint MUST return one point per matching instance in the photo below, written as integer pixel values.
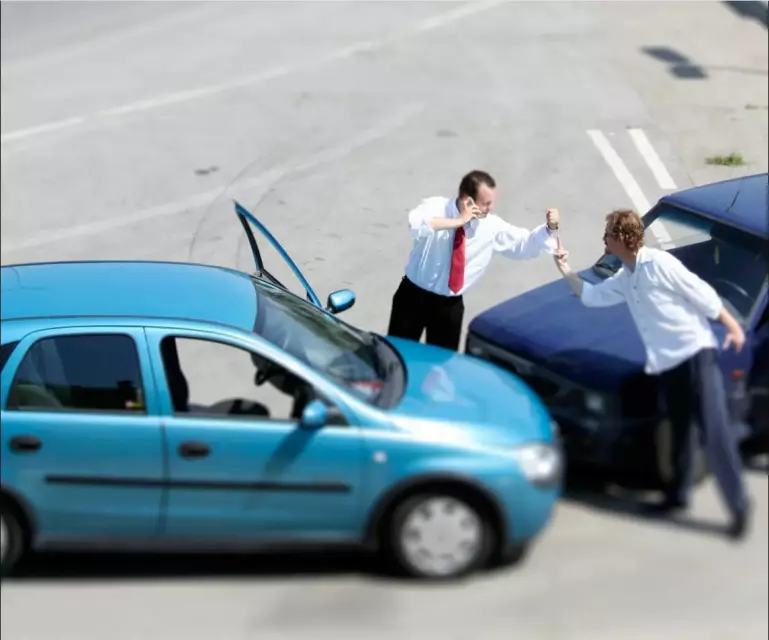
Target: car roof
(740, 202)
(128, 288)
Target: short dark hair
(470, 183)
(627, 227)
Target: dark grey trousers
(695, 395)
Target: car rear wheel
(11, 541)
(440, 536)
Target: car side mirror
(340, 300)
(314, 415)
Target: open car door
(252, 247)
(247, 220)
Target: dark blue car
(587, 364)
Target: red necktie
(457, 273)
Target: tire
(424, 525)
(512, 556)
(12, 541)
(656, 471)
(663, 447)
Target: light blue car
(186, 407)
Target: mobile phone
(480, 213)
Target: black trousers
(415, 310)
(695, 395)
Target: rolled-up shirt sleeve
(517, 243)
(604, 294)
(419, 219)
(691, 287)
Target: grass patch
(756, 107)
(732, 160)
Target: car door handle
(194, 449)
(25, 443)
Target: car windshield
(732, 261)
(360, 361)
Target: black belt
(430, 295)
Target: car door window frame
(134, 333)
(762, 315)
(333, 396)
(6, 351)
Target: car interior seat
(178, 387)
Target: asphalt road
(122, 122)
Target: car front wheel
(440, 536)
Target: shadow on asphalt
(678, 64)
(581, 489)
(136, 566)
(751, 10)
(682, 67)
(757, 465)
(588, 491)
(628, 504)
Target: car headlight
(540, 463)
(595, 402)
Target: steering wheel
(734, 287)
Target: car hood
(550, 326)
(456, 397)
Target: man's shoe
(740, 522)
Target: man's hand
(734, 336)
(468, 210)
(734, 333)
(561, 258)
(553, 219)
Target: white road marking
(194, 94)
(43, 128)
(645, 148)
(621, 171)
(382, 129)
(629, 184)
(429, 24)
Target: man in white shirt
(454, 240)
(671, 307)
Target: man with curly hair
(671, 307)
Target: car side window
(207, 378)
(87, 372)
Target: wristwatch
(555, 228)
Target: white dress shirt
(669, 304)
(430, 260)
